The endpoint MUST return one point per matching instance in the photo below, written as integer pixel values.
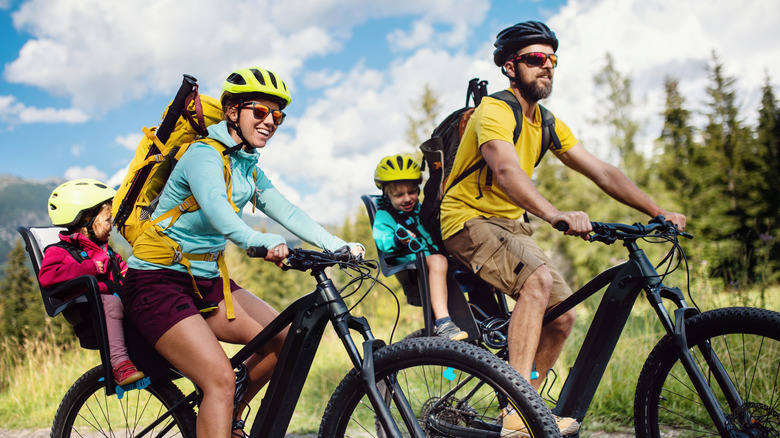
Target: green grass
(34, 376)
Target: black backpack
(439, 151)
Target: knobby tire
(427, 370)
(747, 342)
(87, 411)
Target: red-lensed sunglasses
(261, 111)
(537, 59)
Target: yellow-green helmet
(255, 80)
(397, 167)
(69, 201)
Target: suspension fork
(375, 391)
(698, 380)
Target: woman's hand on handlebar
(357, 250)
(573, 223)
(277, 254)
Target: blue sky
(80, 78)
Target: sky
(80, 78)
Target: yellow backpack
(184, 122)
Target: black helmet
(514, 38)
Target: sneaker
(513, 426)
(450, 331)
(126, 373)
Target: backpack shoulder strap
(549, 137)
(510, 99)
(75, 251)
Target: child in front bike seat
(397, 230)
(83, 207)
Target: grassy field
(32, 383)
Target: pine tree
(616, 115)
(727, 195)
(678, 157)
(422, 124)
(22, 310)
(768, 161)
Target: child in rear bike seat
(83, 207)
(397, 230)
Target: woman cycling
(163, 298)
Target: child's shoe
(451, 331)
(126, 373)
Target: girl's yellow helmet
(69, 201)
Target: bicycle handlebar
(303, 259)
(610, 232)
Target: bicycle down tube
(308, 316)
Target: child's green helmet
(397, 168)
(69, 201)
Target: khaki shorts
(502, 252)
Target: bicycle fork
(378, 393)
(680, 341)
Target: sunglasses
(414, 244)
(537, 59)
(261, 111)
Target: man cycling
(481, 216)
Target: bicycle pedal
(141, 384)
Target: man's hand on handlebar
(675, 218)
(573, 223)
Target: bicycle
(419, 387)
(713, 373)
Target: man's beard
(531, 90)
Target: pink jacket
(58, 264)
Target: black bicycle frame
(307, 318)
(626, 281)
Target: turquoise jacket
(384, 233)
(199, 173)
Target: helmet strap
(515, 79)
(234, 126)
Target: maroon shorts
(158, 299)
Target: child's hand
(99, 265)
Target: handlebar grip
(257, 251)
(562, 226)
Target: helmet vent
(390, 164)
(273, 80)
(259, 76)
(236, 79)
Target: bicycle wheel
(747, 343)
(87, 411)
(453, 388)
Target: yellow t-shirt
(472, 197)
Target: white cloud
(650, 40)
(129, 141)
(13, 111)
(116, 179)
(76, 150)
(76, 172)
(94, 53)
(420, 33)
